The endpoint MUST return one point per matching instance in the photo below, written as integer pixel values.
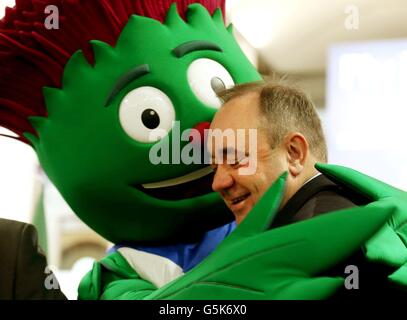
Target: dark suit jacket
(319, 196)
(22, 264)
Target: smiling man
(289, 138)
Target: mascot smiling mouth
(191, 185)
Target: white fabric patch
(156, 269)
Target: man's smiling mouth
(191, 185)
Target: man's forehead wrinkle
(125, 79)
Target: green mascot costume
(101, 94)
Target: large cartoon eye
(146, 114)
(206, 77)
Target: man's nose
(222, 179)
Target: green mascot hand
(282, 263)
(389, 245)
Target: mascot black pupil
(150, 119)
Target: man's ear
(297, 151)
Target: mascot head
(108, 99)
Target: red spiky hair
(32, 57)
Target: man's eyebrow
(196, 45)
(228, 150)
(124, 80)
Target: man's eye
(244, 161)
(206, 78)
(235, 163)
(240, 162)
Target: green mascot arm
(113, 279)
(389, 245)
(282, 263)
(256, 263)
